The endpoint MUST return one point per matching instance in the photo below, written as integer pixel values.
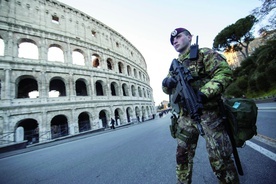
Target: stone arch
(125, 89)
(109, 64)
(27, 48)
(144, 92)
(129, 114)
(139, 91)
(138, 113)
(133, 90)
(57, 85)
(119, 116)
(100, 88)
(121, 67)
(84, 122)
(2, 46)
(129, 70)
(143, 113)
(25, 85)
(135, 73)
(114, 89)
(81, 87)
(96, 60)
(31, 130)
(78, 57)
(59, 126)
(148, 113)
(55, 53)
(104, 117)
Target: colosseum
(64, 73)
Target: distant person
(112, 123)
(211, 75)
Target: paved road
(139, 154)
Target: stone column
(92, 87)
(44, 128)
(43, 90)
(7, 86)
(19, 135)
(68, 54)
(71, 85)
(73, 123)
(88, 58)
(43, 50)
(10, 48)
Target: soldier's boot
(183, 174)
(227, 174)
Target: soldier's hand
(169, 82)
(201, 97)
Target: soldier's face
(181, 42)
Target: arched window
(99, 88)
(140, 92)
(81, 89)
(27, 87)
(125, 90)
(59, 126)
(96, 60)
(120, 67)
(78, 57)
(133, 90)
(57, 88)
(28, 49)
(135, 73)
(128, 70)
(109, 64)
(114, 89)
(84, 122)
(55, 53)
(2, 47)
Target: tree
(256, 75)
(161, 106)
(236, 36)
(265, 11)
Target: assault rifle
(185, 94)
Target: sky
(147, 24)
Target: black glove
(201, 97)
(169, 82)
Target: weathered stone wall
(47, 23)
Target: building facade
(73, 75)
(235, 58)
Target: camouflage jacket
(212, 74)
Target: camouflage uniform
(212, 75)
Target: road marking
(267, 140)
(262, 150)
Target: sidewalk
(24, 149)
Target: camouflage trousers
(218, 147)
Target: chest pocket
(197, 69)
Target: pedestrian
(211, 75)
(112, 123)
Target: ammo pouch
(173, 126)
(186, 136)
(180, 133)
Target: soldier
(211, 75)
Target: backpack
(242, 116)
